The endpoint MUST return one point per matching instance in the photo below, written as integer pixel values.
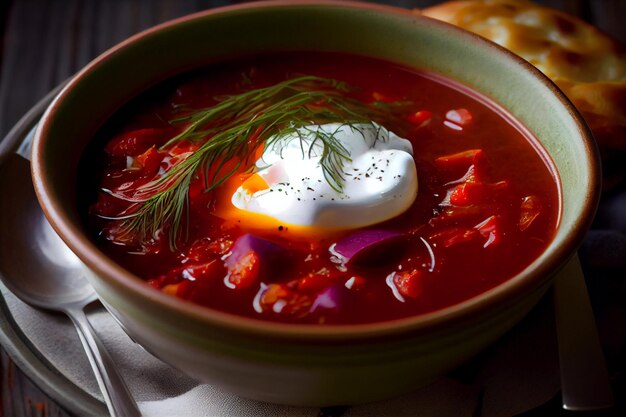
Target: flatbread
(588, 65)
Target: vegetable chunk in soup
(322, 188)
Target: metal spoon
(37, 266)
(585, 384)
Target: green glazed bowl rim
(122, 280)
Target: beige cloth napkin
(518, 373)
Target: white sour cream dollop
(380, 180)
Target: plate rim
(26, 356)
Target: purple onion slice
(267, 251)
(365, 246)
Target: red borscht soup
(322, 188)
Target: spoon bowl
(37, 266)
(24, 225)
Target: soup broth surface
(487, 203)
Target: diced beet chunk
(251, 256)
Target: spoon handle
(585, 382)
(116, 395)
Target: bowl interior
(378, 31)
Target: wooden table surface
(44, 42)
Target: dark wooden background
(45, 41)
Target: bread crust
(588, 65)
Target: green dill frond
(236, 127)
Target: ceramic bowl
(296, 364)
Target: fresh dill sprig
(235, 128)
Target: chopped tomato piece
(149, 161)
(409, 283)
(466, 194)
(531, 208)
(461, 160)
(420, 118)
(244, 272)
(137, 141)
(461, 117)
